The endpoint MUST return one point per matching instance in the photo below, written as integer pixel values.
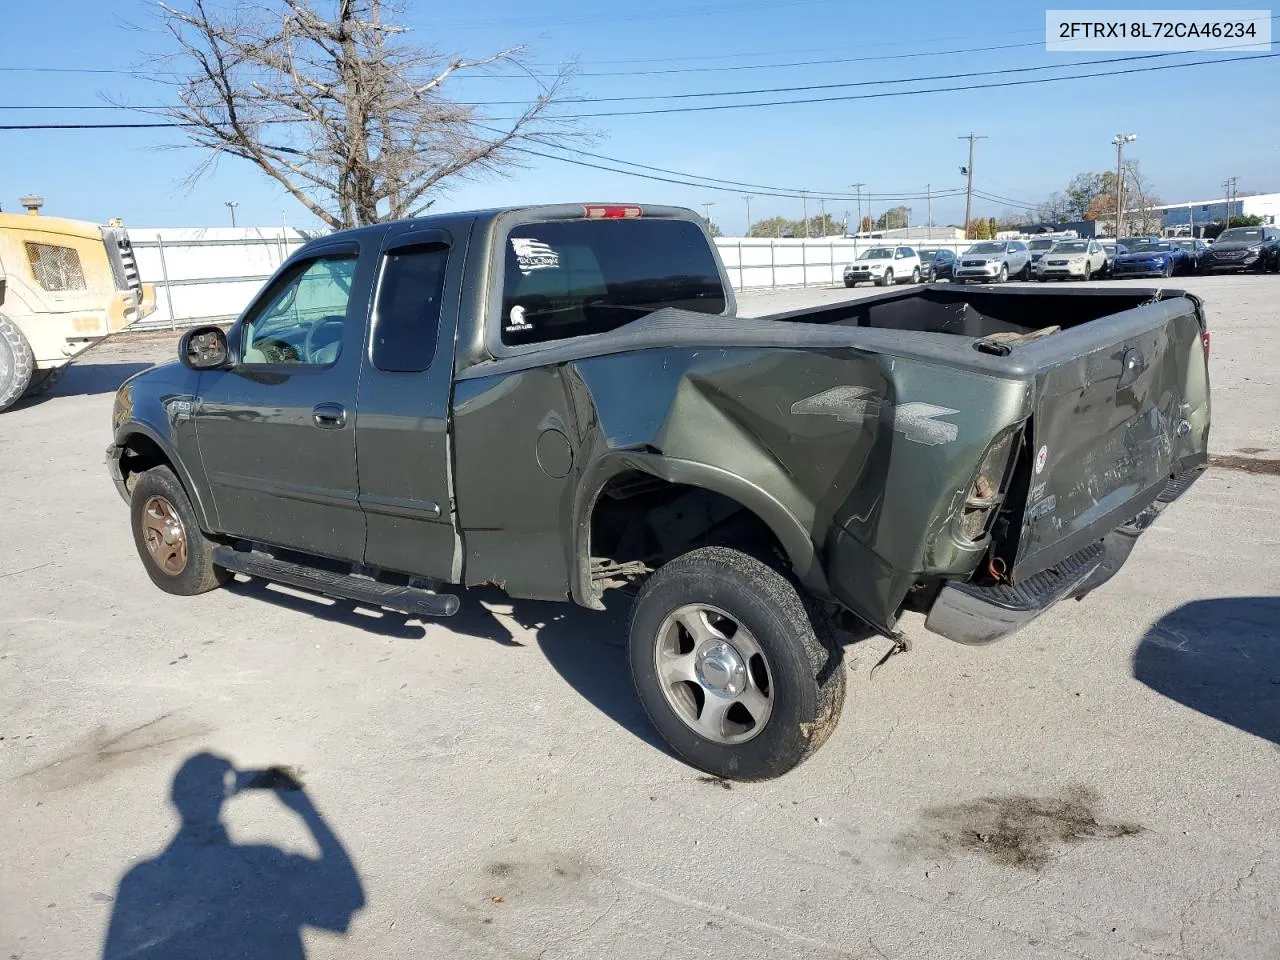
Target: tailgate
(1121, 407)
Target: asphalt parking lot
(1104, 784)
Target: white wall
(212, 272)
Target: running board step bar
(407, 600)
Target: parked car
(1270, 257)
(938, 264)
(1111, 248)
(994, 261)
(1037, 247)
(561, 400)
(1083, 259)
(884, 266)
(1150, 258)
(1242, 248)
(1197, 250)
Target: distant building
(949, 232)
(1082, 228)
(1184, 218)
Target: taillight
(611, 212)
(1204, 342)
(985, 494)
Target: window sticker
(516, 320)
(533, 255)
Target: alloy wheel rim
(714, 674)
(164, 535)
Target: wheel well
(640, 521)
(141, 453)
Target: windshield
(878, 253)
(1040, 244)
(1150, 247)
(986, 248)
(569, 278)
(1071, 246)
(1239, 235)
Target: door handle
(330, 416)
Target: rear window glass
(570, 278)
(1040, 244)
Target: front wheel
(17, 363)
(178, 557)
(886, 280)
(849, 283)
(741, 676)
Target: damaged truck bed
(560, 400)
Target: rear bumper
(973, 614)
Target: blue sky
(1196, 126)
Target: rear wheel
(1025, 273)
(177, 555)
(741, 676)
(1003, 276)
(1168, 268)
(915, 275)
(17, 363)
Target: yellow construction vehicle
(64, 286)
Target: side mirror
(204, 348)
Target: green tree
(772, 227)
(1213, 229)
(895, 218)
(1080, 194)
(979, 229)
(992, 228)
(713, 229)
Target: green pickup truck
(560, 400)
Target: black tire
(1024, 275)
(1003, 275)
(198, 573)
(805, 671)
(915, 275)
(17, 363)
(960, 280)
(849, 283)
(1168, 268)
(886, 280)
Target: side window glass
(302, 320)
(407, 311)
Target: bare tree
(340, 110)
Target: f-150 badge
(917, 422)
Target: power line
(908, 93)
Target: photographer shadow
(205, 897)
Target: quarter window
(302, 319)
(56, 268)
(407, 314)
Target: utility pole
(805, 196)
(968, 194)
(707, 209)
(928, 192)
(747, 232)
(231, 205)
(823, 220)
(1120, 139)
(1229, 185)
(858, 187)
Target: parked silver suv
(995, 261)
